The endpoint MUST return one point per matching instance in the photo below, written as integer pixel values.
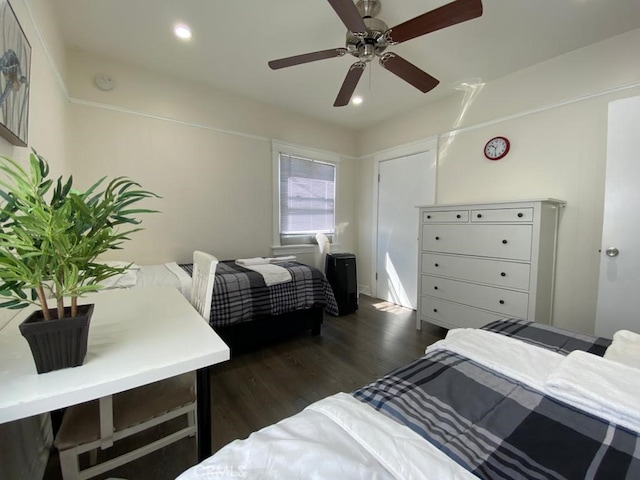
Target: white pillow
(626, 336)
(625, 354)
(625, 348)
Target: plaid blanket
(240, 294)
(498, 428)
(549, 337)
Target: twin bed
(512, 400)
(245, 311)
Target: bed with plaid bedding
(497, 427)
(240, 294)
(475, 406)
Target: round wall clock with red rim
(497, 148)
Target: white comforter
(336, 438)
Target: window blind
(307, 196)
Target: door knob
(612, 252)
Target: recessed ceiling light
(356, 100)
(182, 31)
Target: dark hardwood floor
(259, 388)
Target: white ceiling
(234, 39)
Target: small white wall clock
(497, 148)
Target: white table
(136, 337)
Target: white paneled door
(619, 285)
(404, 183)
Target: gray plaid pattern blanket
(498, 428)
(240, 294)
(546, 336)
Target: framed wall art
(15, 77)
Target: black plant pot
(58, 343)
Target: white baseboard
(364, 289)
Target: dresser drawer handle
(458, 216)
(479, 215)
(437, 238)
(435, 310)
(428, 216)
(436, 265)
(502, 274)
(504, 242)
(520, 214)
(501, 302)
(435, 288)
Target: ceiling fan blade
(408, 72)
(442, 17)
(306, 58)
(349, 85)
(349, 15)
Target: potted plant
(50, 238)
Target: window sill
(299, 249)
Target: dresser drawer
(454, 315)
(502, 215)
(498, 241)
(504, 302)
(450, 216)
(493, 272)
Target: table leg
(56, 420)
(204, 413)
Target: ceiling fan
(368, 37)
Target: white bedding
(600, 386)
(506, 355)
(338, 437)
(272, 274)
(167, 275)
(625, 348)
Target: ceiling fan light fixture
(357, 100)
(367, 53)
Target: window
(306, 195)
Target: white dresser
(486, 261)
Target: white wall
(555, 114)
(24, 444)
(206, 152)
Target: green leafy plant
(52, 234)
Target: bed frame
(268, 329)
